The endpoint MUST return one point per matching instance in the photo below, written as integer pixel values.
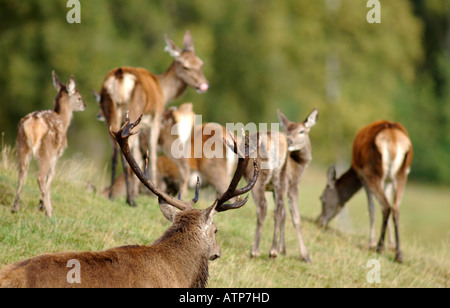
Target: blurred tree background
(259, 56)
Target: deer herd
(133, 104)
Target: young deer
(286, 156)
(381, 160)
(141, 92)
(179, 258)
(43, 135)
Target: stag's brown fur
(179, 258)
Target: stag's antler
(232, 192)
(121, 137)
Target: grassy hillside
(86, 221)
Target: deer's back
(42, 131)
(380, 149)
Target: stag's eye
(186, 68)
(302, 132)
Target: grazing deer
(381, 160)
(179, 258)
(286, 155)
(205, 153)
(141, 92)
(43, 135)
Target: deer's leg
(184, 169)
(128, 182)
(24, 155)
(278, 213)
(378, 191)
(44, 172)
(154, 135)
(113, 171)
(282, 243)
(371, 204)
(261, 211)
(388, 189)
(296, 220)
(398, 188)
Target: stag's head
(69, 93)
(188, 67)
(182, 213)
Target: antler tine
(240, 169)
(238, 203)
(121, 137)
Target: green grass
(86, 221)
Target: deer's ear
(283, 120)
(188, 42)
(172, 48)
(312, 118)
(167, 210)
(71, 86)
(56, 82)
(209, 213)
(97, 95)
(331, 176)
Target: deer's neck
(171, 85)
(183, 244)
(61, 107)
(348, 184)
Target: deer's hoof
(398, 257)
(306, 259)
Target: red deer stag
(141, 92)
(282, 158)
(179, 258)
(381, 160)
(43, 135)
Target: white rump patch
(120, 90)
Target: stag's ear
(172, 48)
(168, 210)
(188, 42)
(312, 118)
(283, 120)
(56, 82)
(209, 213)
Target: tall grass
(84, 220)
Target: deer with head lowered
(43, 135)
(179, 258)
(282, 158)
(141, 92)
(381, 159)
